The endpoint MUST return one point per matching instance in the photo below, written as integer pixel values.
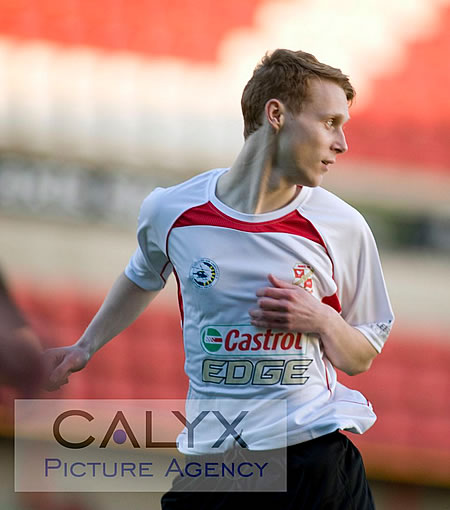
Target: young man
(290, 269)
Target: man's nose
(340, 144)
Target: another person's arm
(20, 347)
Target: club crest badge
(204, 273)
(303, 276)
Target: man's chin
(303, 178)
(313, 182)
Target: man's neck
(254, 185)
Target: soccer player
(280, 284)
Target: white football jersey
(220, 258)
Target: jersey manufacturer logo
(303, 276)
(245, 340)
(204, 273)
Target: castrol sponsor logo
(211, 339)
(244, 339)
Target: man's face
(310, 141)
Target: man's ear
(275, 113)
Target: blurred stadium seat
(409, 384)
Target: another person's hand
(20, 361)
(60, 363)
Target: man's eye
(330, 122)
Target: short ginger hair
(284, 75)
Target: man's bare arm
(289, 307)
(121, 307)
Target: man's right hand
(60, 363)
(123, 304)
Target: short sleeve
(364, 297)
(149, 266)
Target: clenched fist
(60, 363)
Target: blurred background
(101, 101)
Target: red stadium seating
(408, 384)
(190, 29)
(406, 120)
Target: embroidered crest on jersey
(204, 273)
(382, 329)
(303, 276)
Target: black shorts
(326, 473)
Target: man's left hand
(288, 307)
